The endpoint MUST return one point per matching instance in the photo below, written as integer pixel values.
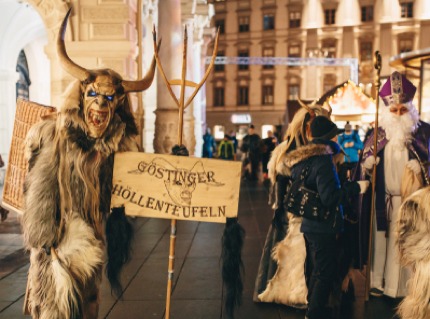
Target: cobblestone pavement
(197, 289)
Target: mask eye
(91, 93)
(109, 97)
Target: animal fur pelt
(119, 234)
(57, 286)
(414, 246)
(232, 265)
(288, 285)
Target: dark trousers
(255, 165)
(320, 271)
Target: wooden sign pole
(182, 106)
(377, 64)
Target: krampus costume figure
(280, 275)
(68, 191)
(413, 229)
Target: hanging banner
(176, 187)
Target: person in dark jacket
(269, 144)
(251, 145)
(320, 235)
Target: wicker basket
(27, 114)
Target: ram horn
(143, 84)
(66, 63)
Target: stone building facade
(114, 34)
(239, 94)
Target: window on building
(268, 22)
(366, 51)
(366, 13)
(268, 53)
(295, 19)
(23, 83)
(219, 96)
(405, 45)
(330, 16)
(329, 82)
(328, 48)
(243, 54)
(294, 50)
(220, 24)
(219, 67)
(244, 24)
(267, 95)
(407, 9)
(293, 91)
(242, 95)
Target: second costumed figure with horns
(281, 277)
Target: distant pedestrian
(209, 144)
(251, 147)
(233, 138)
(351, 143)
(226, 149)
(269, 144)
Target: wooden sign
(176, 187)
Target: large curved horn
(330, 110)
(314, 102)
(304, 105)
(66, 63)
(142, 85)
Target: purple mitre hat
(397, 90)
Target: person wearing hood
(320, 235)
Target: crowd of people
(255, 151)
(320, 233)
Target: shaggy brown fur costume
(414, 246)
(67, 194)
(68, 191)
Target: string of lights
(352, 63)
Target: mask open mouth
(98, 118)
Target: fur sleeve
(276, 163)
(41, 187)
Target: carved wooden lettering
(176, 187)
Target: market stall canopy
(347, 99)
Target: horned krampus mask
(103, 91)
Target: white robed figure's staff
(377, 63)
(182, 105)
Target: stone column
(170, 29)
(8, 79)
(198, 105)
(149, 19)
(201, 23)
